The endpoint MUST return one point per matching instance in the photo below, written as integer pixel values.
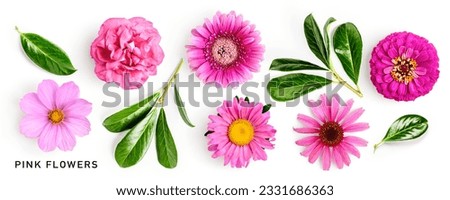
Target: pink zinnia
(327, 132)
(55, 115)
(239, 132)
(404, 66)
(126, 51)
(225, 50)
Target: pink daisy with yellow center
(225, 50)
(239, 132)
(327, 132)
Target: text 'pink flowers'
(54, 115)
(327, 132)
(239, 132)
(126, 51)
(225, 50)
(404, 66)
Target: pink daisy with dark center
(225, 50)
(404, 66)
(328, 132)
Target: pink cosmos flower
(225, 50)
(327, 132)
(55, 115)
(404, 66)
(126, 51)
(239, 132)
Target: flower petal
(65, 140)
(33, 125)
(337, 158)
(350, 149)
(344, 155)
(30, 104)
(67, 93)
(308, 121)
(306, 141)
(326, 160)
(78, 108)
(352, 117)
(306, 130)
(315, 153)
(356, 127)
(355, 141)
(46, 93)
(77, 126)
(344, 111)
(47, 139)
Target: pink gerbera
(239, 132)
(404, 66)
(328, 130)
(55, 115)
(225, 50)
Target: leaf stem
(375, 147)
(341, 81)
(17, 29)
(170, 81)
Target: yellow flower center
(403, 70)
(241, 132)
(56, 116)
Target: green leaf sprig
(45, 54)
(146, 120)
(407, 127)
(347, 45)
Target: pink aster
(225, 50)
(327, 132)
(55, 115)
(404, 66)
(240, 132)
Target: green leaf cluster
(347, 45)
(145, 120)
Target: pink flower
(404, 66)
(239, 132)
(225, 50)
(327, 132)
(55, 115)
(126, 51)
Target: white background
(417, 169)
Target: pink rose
(126, 51)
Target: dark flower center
(225, 52)
(56, 116)
(331, 133)
(403, 70)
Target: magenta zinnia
(404, 66)
(225, 50)
(55, 115)
(327, 132)
(240, 132)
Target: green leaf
(407, 127)
(266, 108)
(165, 146)
(45, 54)
(132, 148)
(326, 37)
(288, 64)
(347, 44)
(128, 117)
(315, 39)
(292, 86)
(181, 108)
